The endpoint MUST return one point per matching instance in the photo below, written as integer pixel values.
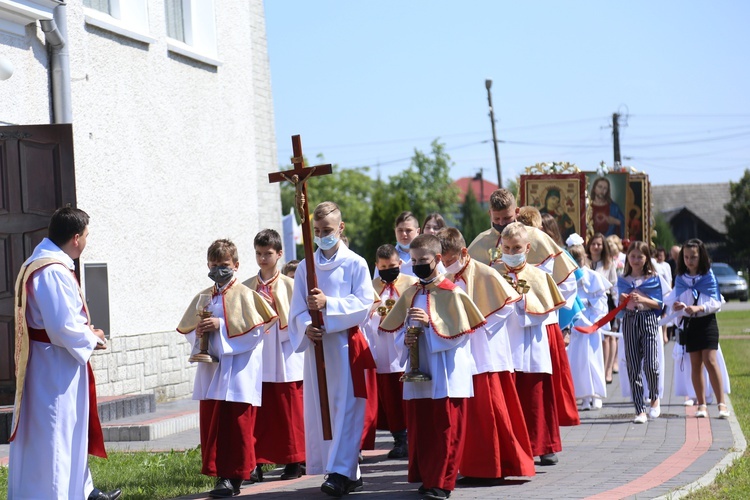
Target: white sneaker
(640, 419)
(701, 413)
(655, 411)
(597, 404)
(688, 402)
(585, 404)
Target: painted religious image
(608, 197)
(559, 195)
(637, 214)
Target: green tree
(389, 205)
(350, 189)
(427, 183)
(512, 186)
(474, 219)
(737, 219)
(664, 237)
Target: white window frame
(199, 27)
(129, 18)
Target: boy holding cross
(344, 297)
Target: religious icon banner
(561, 195)
(607, 195)
(638, 216)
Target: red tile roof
(464, 183)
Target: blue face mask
(514, 260)
(326, 242)
(403, 247)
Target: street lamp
(488, 84)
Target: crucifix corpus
(298, 176)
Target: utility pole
(479, 177)
(488, 85)
(616, 138)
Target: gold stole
(486, 288)
(543, 295)
(542, 248)
(451, 311)
(281, 289)
(244, 310)
(22, 328)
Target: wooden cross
(298, 176)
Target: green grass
(734, 323)
(735, 481)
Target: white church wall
(170, 154)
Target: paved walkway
(606, 457)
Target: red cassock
(371, 411)
(227, 445)
(391, 413)
(279, 424)
(562, 379)
(497, 442)
(537, 398)
(437, 428)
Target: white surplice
(237, 375)
(447, 360)
(49, 455)
(345, 281)
(490, 344)
(387, 347)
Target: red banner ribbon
(606, 319)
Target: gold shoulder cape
(451, 311)
(485, 242)
(281, 288)
(22, 328)
(543, 296)
(244, 310)
(543, 248)
(486, 288)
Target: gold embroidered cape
(451, 311)
(486, 288)
(244, 310)
(543, 295)
(281, 290)
(543, 248)
(22, 328)
(401, 283)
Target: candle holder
(415, 374)
(204, 300)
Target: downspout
(55, 34)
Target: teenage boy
(55, 422)
(344, 297)
(230, 390)
(279, 424)
(435, 409)
(547, 255)
(497, 442)
(388, 348)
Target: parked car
(731, 284)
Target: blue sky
(365, 83)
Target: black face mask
(500, 227)
(389, 275)
(422, 271)
(221, 274)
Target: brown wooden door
(36, 177)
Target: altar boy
(229, 390)
(435, 409)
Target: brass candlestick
(415, 374)
(203, 356)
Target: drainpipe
(55, 34)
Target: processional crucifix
(298, 177)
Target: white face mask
(326, 242)
(514, 260)
(455, 267)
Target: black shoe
(338, 485)
(291, 471)
(548, 459)
(437, 493)
(399, 451)
(421, 490)
(100, 495)
(256, 476)
(226, 488)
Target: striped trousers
(640, 333)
